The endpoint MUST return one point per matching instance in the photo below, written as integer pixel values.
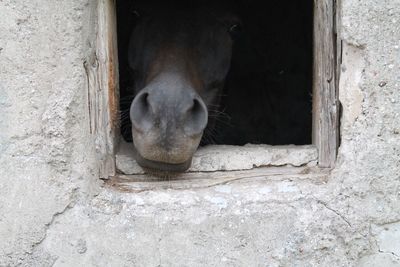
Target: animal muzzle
(167, 126)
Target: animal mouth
(159, 168)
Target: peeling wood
(325, 95)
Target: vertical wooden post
(103, 82)
(325, 101)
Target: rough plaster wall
(49, 215)
(43, 128)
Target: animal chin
(159, 168)
(155, 156)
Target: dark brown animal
(179, 58)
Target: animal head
(179, 58)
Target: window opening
(267, 97)
(281, 88)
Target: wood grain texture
(325, 101)
(139, 183)
(102, 74)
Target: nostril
(195, 109)
(144, 102)
(140, 112)
(197, 118)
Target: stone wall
(54, 211)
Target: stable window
(280, 94)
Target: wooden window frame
(326, 72)
(103, 87)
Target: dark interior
(267, 97)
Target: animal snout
(182, 112)
(167, 126)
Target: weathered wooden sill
(193, 180)
(221, 164)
